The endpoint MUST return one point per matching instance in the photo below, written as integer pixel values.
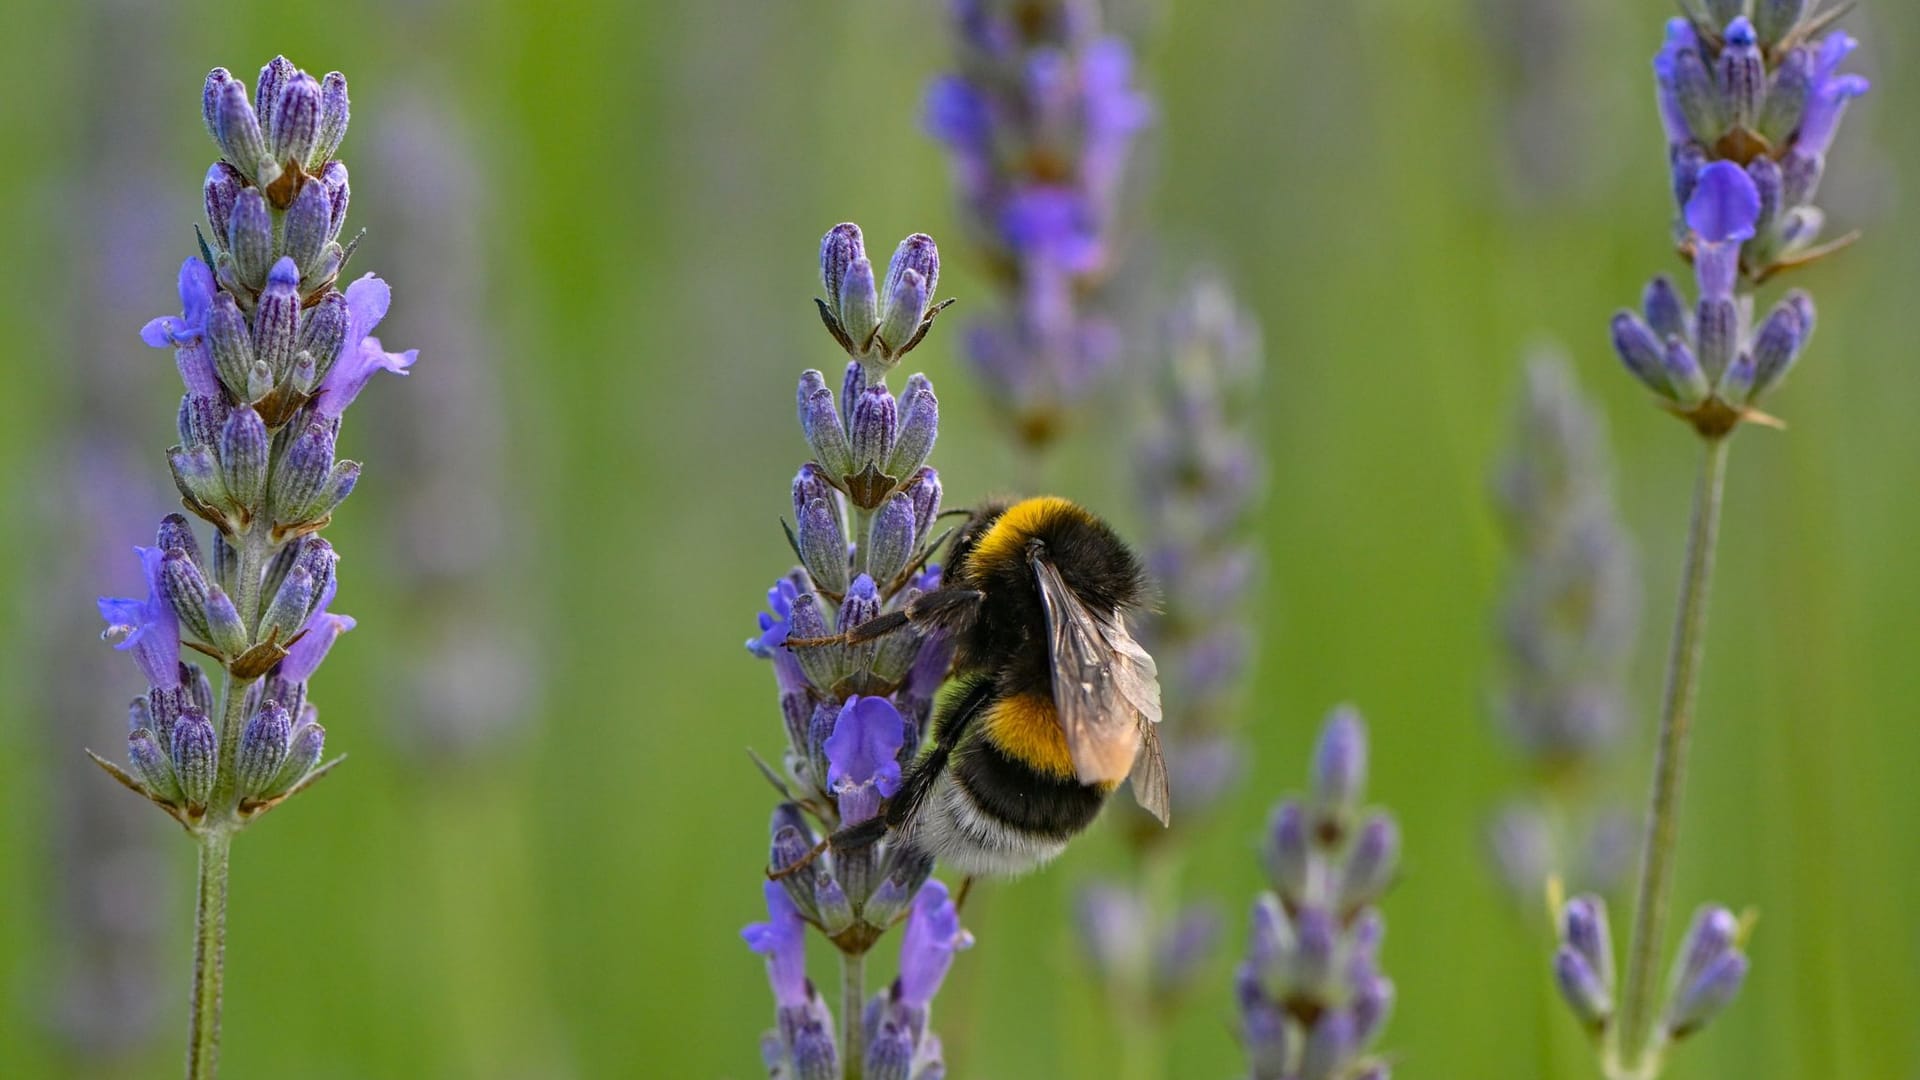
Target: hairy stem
(1669, 769)
(853, 1003)
(209, 953)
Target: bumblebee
(1055, 703)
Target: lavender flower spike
(1039, 119)
(1567, 626)
(261, 326)
(853, 716)
(1750, 97)
(1311, 995)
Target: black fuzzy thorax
(1009, 635)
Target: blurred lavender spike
(472, 675)
(1311, 995)
(1039, 119)
(1568, 623)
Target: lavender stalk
(1750, 105)
(1039, 117)
(1568, 622)
(1312, 997)
(1198, 474)
(271, 354)
(865, 514)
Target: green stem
(1669, 770)
(853, 1003)
(209, 954)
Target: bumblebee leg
(802, 863)
(966, 888)
(865, 834)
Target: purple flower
(774, 622)
(186, 333)
(863, 764)
(1724, 205)
(148, 627)
(1830, 93)
(782, 940)
(926, 951)
(360, 354)
(322, 627)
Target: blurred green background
(600, 221)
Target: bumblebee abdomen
(1025, 728)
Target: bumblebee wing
(1138, 680)
(1105, 688)
(1150, 775)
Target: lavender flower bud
(889, 1055)
(907, 302)
(334, 113)
(1770, 184)
(919, 426)
(195, 757)
(226, 561)
(287, 612)
(1718, 321)
(1780, 340)
(225, 629)
(836, 911)
(267, 86)
(859, 304)
(197, 475)
(221, 191)
(295, 122)
(891, 543)
(244, 451)
(1330, 1045)
(1340, 764)
(263, 749)
(924, 492)
(1689, 384)
(176, 534)
(151, 764)
(1584, 930)
(1372, 1005)
(1736, 383)
(1787, 97)
(814, 1055)
(323, 329)
(1371, 865)
(1582, 990)
(1706, 996)
(820, 420)
(916, 254)
(870, 429)
(1710, 936)
(305, 231)
(1288, 857)
(186, 591)
(1697, 96)
(339, 484)
(1666, 314)
(861, 605)
(1742, 75)
(1641, 352)
(839, 249)
(339, 191)
(303, 753)
(819, 664)
(231, 341)
(300, 475)
(276, 321)
(823, 545)
(238, 133)
(210, 100)
(250, 237)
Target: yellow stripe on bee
(1007, 538)
(1026, 728)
